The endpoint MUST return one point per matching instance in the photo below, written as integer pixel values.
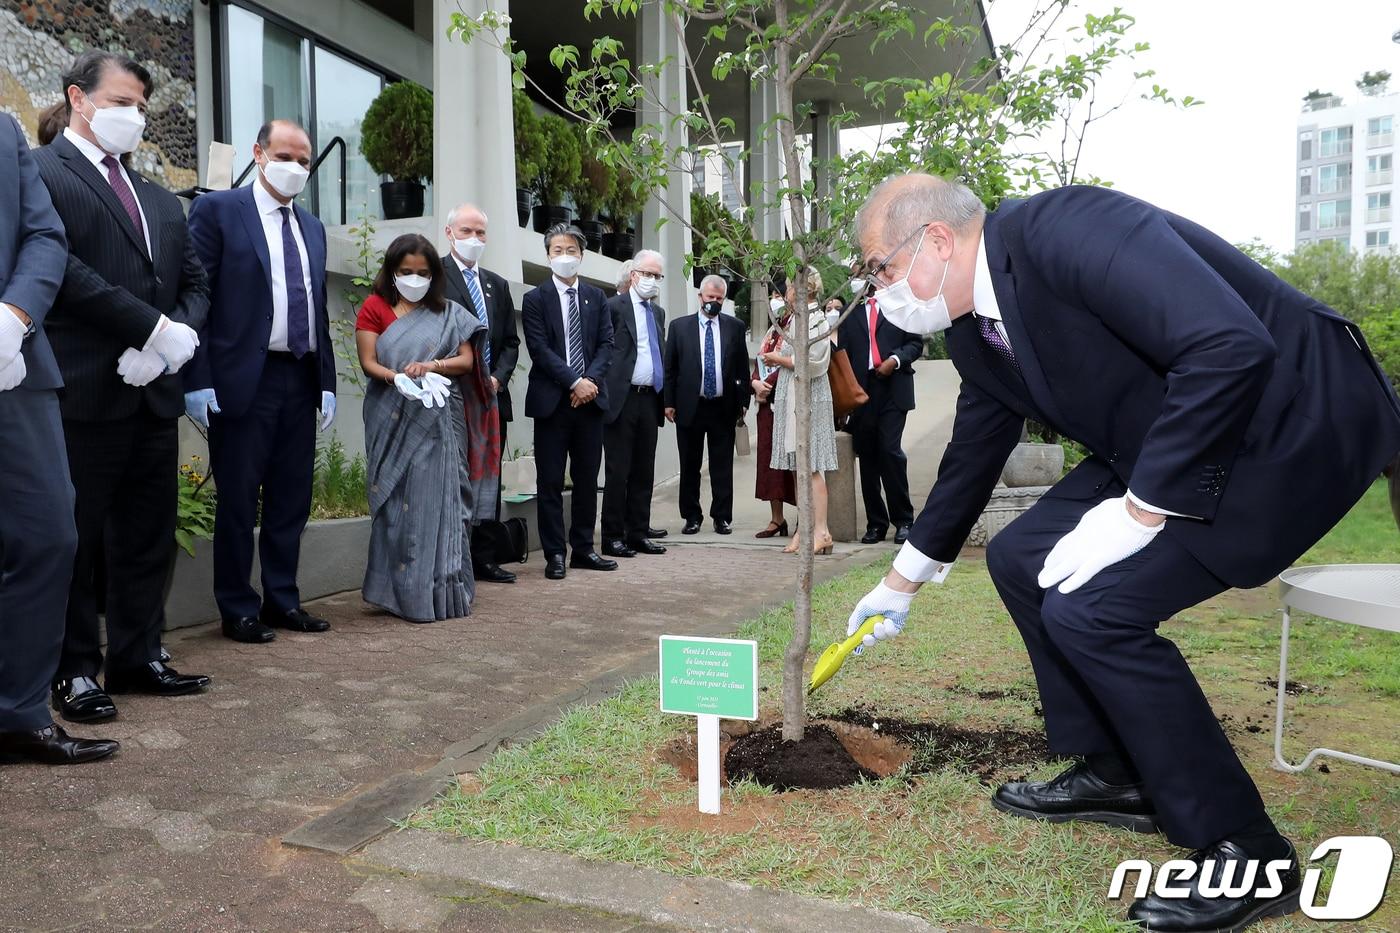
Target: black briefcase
(514, 547)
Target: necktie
(474, 289)
(298, 324)
(875, 358)
(711, 387)
(996, 341)
(575, 335)
(124, 194)
(658, 375)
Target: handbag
(514, 544)
(846, 393)
(742, 444)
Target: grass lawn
(929, 843)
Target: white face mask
(647, 287)
(858, 286)
(776, 305)
(566, 267)
(902, 308)
(118, 129)
(469, 249)
(286, 178)
(412, 287)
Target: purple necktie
(298, 324)
(124, 194)
(996, 341)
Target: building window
(274, 72)
(1335, 142)
(1378, 169)
(1333, 214)
(1305, 183)
(1378, 208)
(1304, 220)
(1305, 147)
(1334, 179)
(1376, 239)
(1379, 132)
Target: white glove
(13, 373)
(140, 367)
(11, 335)
(1105, 535)
(410, 389)
(440, 387)
(327, 409)
(198, 405)
(881, 601)
(175, 342)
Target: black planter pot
(401, 199)
(618, 246)
(547, 215)
(593, 231)
(524, 200)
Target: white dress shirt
(719, 357)
(95, 154)
(268, 209)
(869, 357)
(642, 373)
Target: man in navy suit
(265, 365)
(569, 335)
(1231, 422)
(37, 533)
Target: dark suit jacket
(1193, 375)
(228, 234)
(547, 342)
(854, 336)
(113, 292)
(683, 355)
(500, 320)
(33, 251)
(624, 361)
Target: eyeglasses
(650, 275)
(873, 273)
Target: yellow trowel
(835, 655)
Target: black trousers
(878, 440)
(713, 427)
(487, 538)
(629, 444)
(1109, 683)
(37, 543)
(124, 479)
(269, 450)
(573, 436)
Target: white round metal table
(1357, 594)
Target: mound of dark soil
(991, 754)
(818, 762)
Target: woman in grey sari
(419, 351)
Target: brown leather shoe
(52, 746)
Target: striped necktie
(479, 306)
(576, 362)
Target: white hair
(713, 279)
(624, 276)
(462, 209)
(648, 254)
(900, 205)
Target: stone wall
(40, 38)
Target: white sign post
(709, 678)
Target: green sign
(709, 677)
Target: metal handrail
(344, 161)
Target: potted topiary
(529, 153)
(592, 190)
(396, 137)
(622, 206)
(559, 171)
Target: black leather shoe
(248, 630)
(80, 699)
(873, 535)
(1196, 913)
(493, 573)
(901, 534)
(554, 567)
(155, 678)
(1078, 794)
(591, 561)
(657, 532)
(692, 526)
(297, 620)
(164, 655)
(723, 528)
(52, 746)
(643, 546)
(618, 548)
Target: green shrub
(396, 135)
(596, 180)
(340, 486)
(562, 163)
(529, 142)
(1382, 330)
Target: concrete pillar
(841, 491)
(765, 181)
(473, 137)
(826, 144)
(659, 40)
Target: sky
(1228, 163)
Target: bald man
(1231, 422)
